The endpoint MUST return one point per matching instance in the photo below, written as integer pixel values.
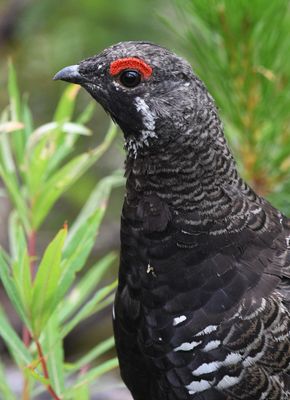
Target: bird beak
(69, 74)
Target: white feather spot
(213, 344)
(207, 330)
(198, 386)
(187, 346)
(178, 320)
(228, 381)
(207, 368)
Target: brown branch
(45, 370)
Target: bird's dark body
(202, 306)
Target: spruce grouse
(202, 307)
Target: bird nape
(202, 307)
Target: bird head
(151, 93)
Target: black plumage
(202, 306)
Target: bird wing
(207, 313)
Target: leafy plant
(37, 167)
(241, 50)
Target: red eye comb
(130, 63)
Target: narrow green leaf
(16, 347)
(12, 290)
(92, 355)
(96, 303)
(65, 177)
(12, 187)
(33, 373)
(20, 261)
(87, 114)
(14, 95)
(98, 199)
(44, 298)
(65, 107)
(27, 119)
(53, 349)
(81, 393)
(85, 286)
(94, 373)
(75, 261)
(18, 138)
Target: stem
(45, 370)
(26, 337)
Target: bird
(202, 306)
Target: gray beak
(69, 74)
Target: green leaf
(65, 107)
(94, 373)
(53, 350)
(20, 261)
(97, 200)
(8, 173)
(18, 138)
(47, 129)
(85, 286)
(44, 294)
(5, 390)
(81, 393)
(27, 119)
(96, 303)
(65, 177)
(82, 234)
(87, 114)
(13, 342)
(33, 373)
(12, 290)
(92, 355)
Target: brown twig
(45, 370)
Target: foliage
(37, 166)
(241, 49)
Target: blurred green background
(240, 48)
(41, 37)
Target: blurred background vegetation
(240, 48)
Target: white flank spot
(207, 330)
(207, 368)
(212, 345)
(198, 386)
(228, 381)
(178, 320)
(113, 312)
(187, 346)
(288, 242)
(232, 358)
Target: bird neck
(193, 172)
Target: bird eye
(130, 78)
